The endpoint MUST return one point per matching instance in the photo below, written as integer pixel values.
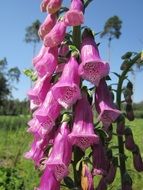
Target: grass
(14, 141)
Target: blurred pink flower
(53, 6)
(56, 35)
(40, 89)
(48, 112)
(60, 156)
(43, 5)
(41, 53)
(48, 181)
(47, 25)
(38, 147)
(74, 16)
(47, 64)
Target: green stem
(77, 36)
(120, 138)
(78, 154)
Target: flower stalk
(118, 102)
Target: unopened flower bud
(129, 140)
(137, 161)
(129, 112)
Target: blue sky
(16, 15)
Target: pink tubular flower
(33, 105)
(66, 91)
(43, 5)
(47, 64)
(104, 104)
(41, 53)
(38, 147)
(40, 89)
(82, 134)
(61, 153)
(100, 163)
(53, 6)
(74, 16)
(48, 112)
(47, 25)
(36, 128)
(56, 35)
(48, 181)
(92, 68)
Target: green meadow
(17, 173)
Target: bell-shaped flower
(60, 156)
(35, 127)
(43, 5)
(82, 134)
(38, 147)
(66, 91)
(40, 89)
(104, 104)
(48, 181)
(100, 161)
(47, 25)
(48, 112)
(92, 67)
(53, 6)
(74, 16)
(56, 35)
(41, 53)
(47, 64)
(86, 178)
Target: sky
(16, 15)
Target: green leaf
(73, 49)
(127, 55)
(31, 74)
(87, 2)
(28, 72)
